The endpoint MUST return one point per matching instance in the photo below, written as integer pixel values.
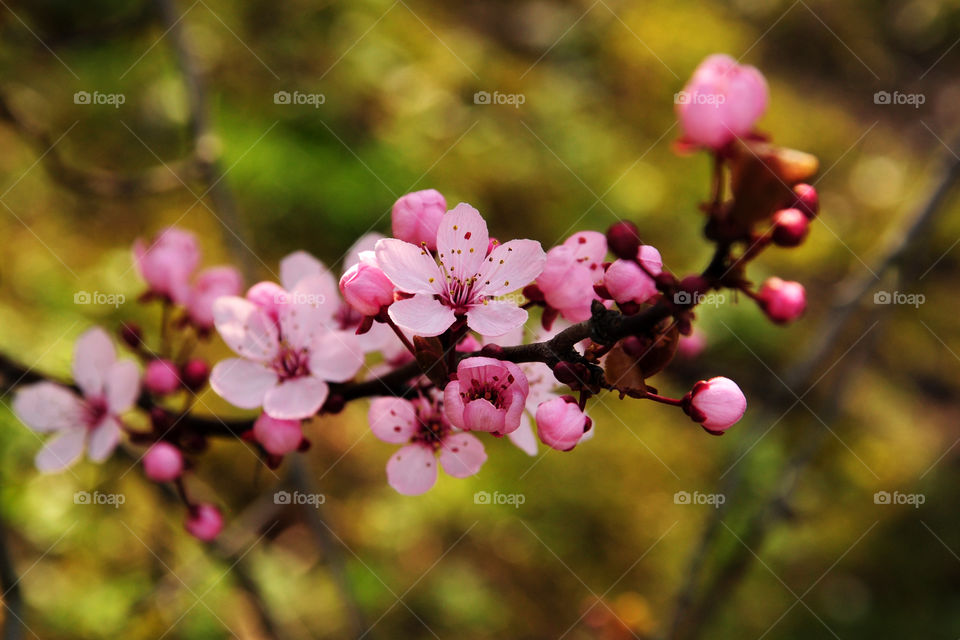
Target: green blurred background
(600, 547)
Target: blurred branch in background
(692, 612)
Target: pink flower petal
(511, 266)
(242, 383)
(409, 267)
(103, 439)
(302, 320)
(62, 451)
(92, 356)
(462, 455)
(590, 249)
(523, 437)
(453, 404)
(367, 242)
(211, 284)
(319, 291)
(296, 399)
(245, 328)
(46, 406)
(412, 470)
(462, 241)
(422, 315)
(393, 420)
(336, 356)
(297, 266)
(494, 318)
(122, 386)
(481, 415)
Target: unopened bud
(623, 240)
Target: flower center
(492, 390)
(94, 411)
(434, 427)
(291, 363)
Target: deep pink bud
(269, 297)
(211, 284)
(561, 424)
(691, 346)
(807, 200)
(416, 217)
(627, 282)
(204, 522)
(167, 262)
(195, 374)
(721, 102)
(790, 227)
(365, 287)
(163, 462)
(278, 437)
(783, 301)
(717, 404)
(161, 377)
(623, 239)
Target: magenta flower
(278, 437)
(211, 284)
(488, 395)
(167, 263)
(204, 522)
(161, 377)
(109, 388)
(570, 272)
(467, 280)
(365, 287)
(717, 404)
(423, 427)
(416, 217)
(626, 281)
(561, 424)
(163, 462)
(721, 102)
(783, 301)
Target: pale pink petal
(367, 242)
(103, 439)
(453, 404)
(393, 420)
(481, 415)
(47, 406)
(515, 411)
(590, 249)
(409, 267)
(412, 470)
(462, 455)
(123, 386)
(296, 398)
(524, 437)
(462, 241)
(92, 356)
(511, 266)
(298, 265)
(245, 328)
(242, 383)
(335, 356)
(494, 318)
(422, 315)
(302, 321)
(320, 291)
(62, 451)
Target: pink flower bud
(269, 297)
(211, 284)
(161, 377)
(416, 217)
(278, 437)
(623, 239)
(163, 462)
(365, 287)
(721, 102)
(649, 257)
(783, 301)
(717, 404)
(627, 282)
(790, 227)
(204, 522)
(560, 423)
(691, 346)
(195, 374)
(167, 262)
(807, 200)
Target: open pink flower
(168, 262)
(570, 272)
(488, 395)
(466, 281)
(284, 366)
(721, 102)
(211, 284)
(422, 426)
(109, 388)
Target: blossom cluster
(456, 337)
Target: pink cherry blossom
(692, 346)
(423, 427)
(488, 395)
(278, 437)
(163, 462)
(204, 522)
(167, 263)
(109, 387)
(790, 227)
(716, 404)
(625, 281)
(365, 287)
(783, 301)
(570, 272)
(465, 283)
(211, 284)
(561, 424)
(416, 217)
(161, 377)
(721, 102)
